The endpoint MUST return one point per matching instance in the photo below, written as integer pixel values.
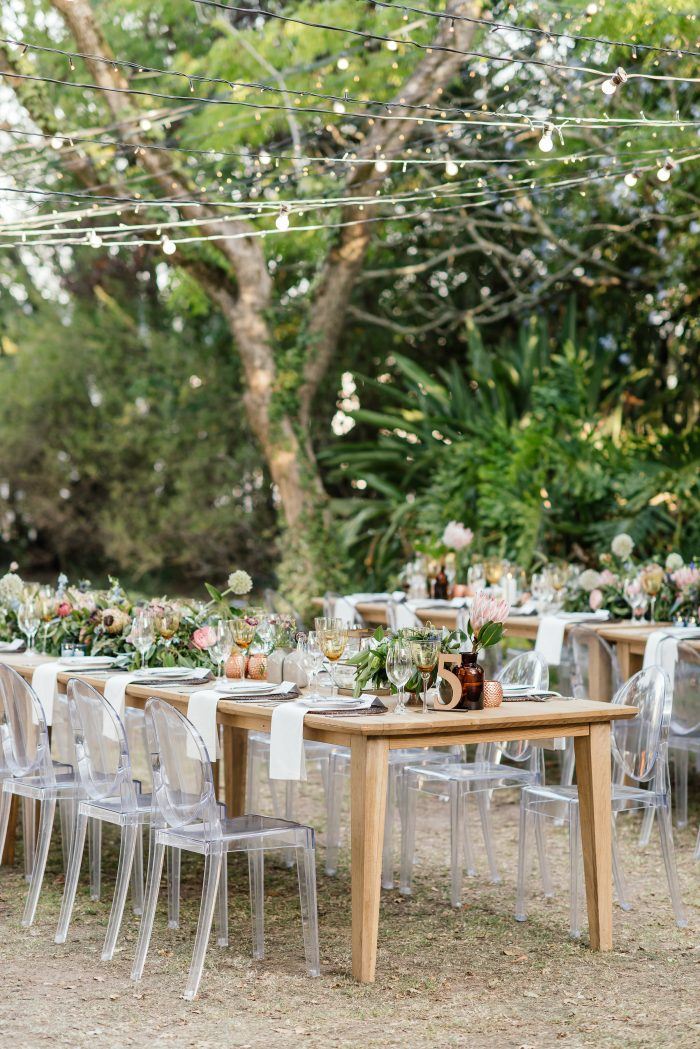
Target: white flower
(239, 582)
(589, 580)
(622, 545)
(11, 589)
(456, 536)
(674, 562)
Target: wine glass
(243, 634)
(424, 653)
(493, 567)
(651, 581)
(168, 622)
(476, 577)
(220, 646)
(28, 620)
(332, 638)
(399, 667)
(636, 598)
(142, 633)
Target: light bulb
(451, 169)
(546, 143)
(169, 246)
(282, 221)
(338, 107)
(391, 45)
(381, 166)
(663, 174)
(94, 239)
(631, 179)
(609, 87)
(343, 63)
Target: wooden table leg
(369, 770)
(235, 761)
(594, 786)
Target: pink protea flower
(607, 578)
(456, 536)
(487, 609)
(64, 609)
(203, 637)
(595, 599)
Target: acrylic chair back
(529, 669)
(639, 744)
(183, 782)
(23, 730)
(685, 715)
(101, 749)
(587, 645)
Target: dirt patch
(472, 977)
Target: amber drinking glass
(424, 652)
(243, 634)
(332, 638)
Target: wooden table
(370, 739)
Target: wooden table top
(508, 719)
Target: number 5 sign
(454, 682)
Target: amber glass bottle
(471, 677)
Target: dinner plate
(242, 687)
(517, 690)
(177, 673)
(87, 662)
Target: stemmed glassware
(29, 620)
(476, 577)
(220, 646)
(142, 633)
(168, 621)
(332, 638)
(425, 650)
(312, 657)
(399, 667)
(243, 634)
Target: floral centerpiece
(371, 661)
(486, 620)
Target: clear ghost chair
(455, 783)
(35, 776)
(684, 733)
(28, 811)
(588, 650)
(640, 755)
(110, 795)
(190, 820)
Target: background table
(370, 738)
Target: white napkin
(405, 617)
(115, 691)
(287, 758)
(12, 646)
(661, 648)
(44, 681)
(527, 609)
(550, 632)
(203, 704)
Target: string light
(546, 143)
(451, 169)
(631, 179)
(94, 239)
(169, 246)
(610, 86)
(282, 220)
(664, 172)
(381, 166)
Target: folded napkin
(526, 609)
(203, 704)
(404, 616)
(287, 759)
(115, 691)
(17, 645)
(550, 632)
(661, 648)
(44, 682)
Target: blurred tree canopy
(445, 238)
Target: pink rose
(486, 609)
(686, 577)
(595, 599)
(203, 637)
(64, 609)
(607, 578)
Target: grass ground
(471, 978)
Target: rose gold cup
(492, 694)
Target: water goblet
(332, 637)
(399, 667)
(243, 634)
(28, 620)
(220, 646)
(142, 633)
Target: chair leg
(174, 863)
(48, 811)
(256, 878)
(5, 805)
(619, 879)
(696, 854)
(28, 835)
(252, 778)
(666, 836)
(306, 867)
(567, 764)
(520, 900)
(212, 869)
(334, 804)
(647, 824)
(392, 791)
(482, 800)
(469, 858)
(95, 851)
(67, 815)
(127, 849)
(456, 830)
(72, 875)
(290, 792)
(681, 791)
(155, 872)
(574, 873)
(541, 839)
(222, 908)
(408, 840)
(137, 874)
